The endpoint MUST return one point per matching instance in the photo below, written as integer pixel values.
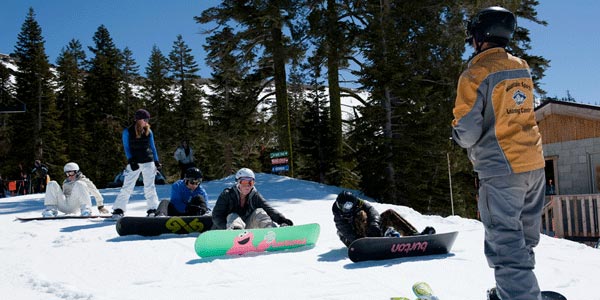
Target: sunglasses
(193, 182)
(346, 207)
(246, 182)
(70, 173)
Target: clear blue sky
(137, 24)
(570, 41)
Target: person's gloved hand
(158, 165)
(196, 207)
(197, 200)
(373, 230)
(286, 222)
(194, 210)
(102, 209)
(133, 165)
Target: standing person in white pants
(74, 196)
(140, 150)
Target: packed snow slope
(87, 259)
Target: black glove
(196, 207)
(197, 200)
(194, 210)
(373, 230)
(158, 165)
(134, 166)
(286, 222)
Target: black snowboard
(378, 248)
(62, 217)
(152, 226)
(549, 295)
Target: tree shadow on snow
(88, 226)
(334, 255)
(166, 236)
(203, 260)
(395, 261)
(15, 205)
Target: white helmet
(71, 167)
(244, 173)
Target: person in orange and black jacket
(494, 120)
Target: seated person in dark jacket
(39, 177)
(356, 218)
(243, 207)
(188, 197)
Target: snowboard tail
(422, 290)
(546, 295)
(153, 226)
(379, 248)
(550, 295)
(61, 217)
(238, 242)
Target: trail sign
(281, 168)
(279, 161)
(279, 154)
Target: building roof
(579, 110)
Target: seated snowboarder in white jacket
(74, 196)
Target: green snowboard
(238, 242)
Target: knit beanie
(141, 114)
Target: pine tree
(6, 87)
(333, 36)
(403, 130)
(190, 119)
(130, 71)
(315, 144)
(237, 129)
(37, 130)
(105, 109)
(71, 101)
(6, 100)
(156, 91)
(262, 26)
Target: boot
(117, 214)
(492, 295)
(428, 230)
(85, 211)
(50, 211)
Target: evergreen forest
(277, 82)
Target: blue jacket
(181, 195)
(140, 150)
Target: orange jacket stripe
(494, 115)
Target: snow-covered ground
(86, 259)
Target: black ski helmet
(193, 173)
(493, 24)
(346, 201)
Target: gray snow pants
(511, 208)
(257, 219)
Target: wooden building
(571, 142)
